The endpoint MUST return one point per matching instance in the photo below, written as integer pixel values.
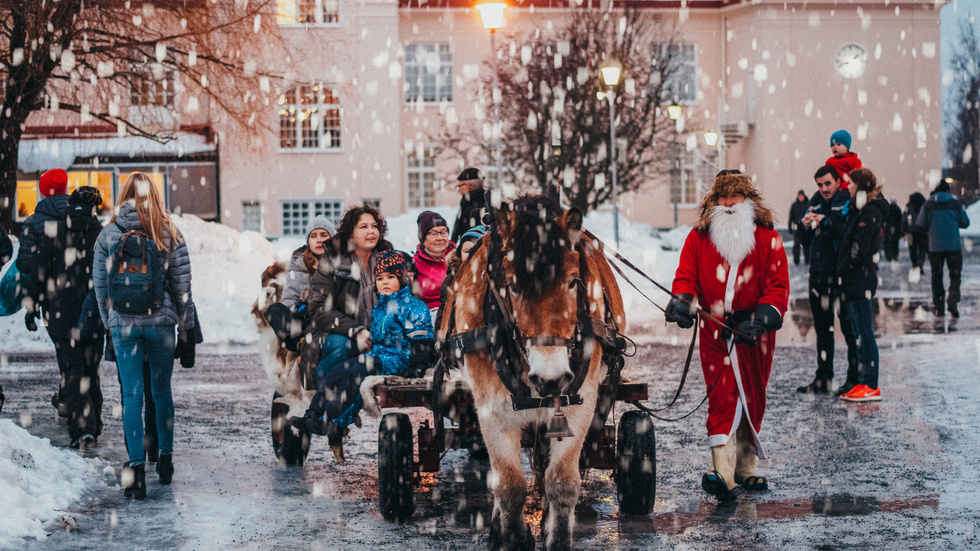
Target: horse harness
(508, 346)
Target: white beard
(732, 230)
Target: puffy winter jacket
(844, 165)
(297, 279)
(334, 290)
(431, 274)
(826, 236)
(857, 261)
(942, 216)
(49, 212)
(396, 321)
(178, 304)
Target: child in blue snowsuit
(401, 333)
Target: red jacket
(844, 165)
(431, 274)
(761, 278)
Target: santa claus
(734, 264)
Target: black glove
(110, 352)
(29, 320)
(423, 354)
(680, 311)
(765, 319)
(185, 347)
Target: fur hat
(53, 182)
(470, 174)
(726, 184)
(392, 262)
(320, 222)
(842, 137)
(428, 220)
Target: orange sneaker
(862, 393)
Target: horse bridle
(508, 346)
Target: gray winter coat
(297, 279)
(178, 304)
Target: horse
(557, 289)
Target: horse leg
(508, 529)
(562, 483)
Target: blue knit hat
(842, 137)
(474, 234)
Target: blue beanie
(842, 137)
(474, 233)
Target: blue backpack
(136, 276)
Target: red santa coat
(761, 278)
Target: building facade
(376, 84)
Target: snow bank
(37, 482)
(973, 211)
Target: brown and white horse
(551, 273)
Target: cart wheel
(396, 488)
(291, 445)
(636, 474)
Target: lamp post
(674, 112)
(492, 14)
(611, 70)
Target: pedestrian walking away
(141, 314)
(916, 237)
(802, 234)
(829, 211)
(892, 230)
(942, 216)
(857, 271)
(733, 262)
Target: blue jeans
(157, 343)
(336, 350)
(862, 324)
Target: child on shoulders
(842, 159)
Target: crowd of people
(353, 306)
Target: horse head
(544, 265)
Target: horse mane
(538, 242)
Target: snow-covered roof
(45, 154)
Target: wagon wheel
(396, 489)
(290, 445)
(636, 472)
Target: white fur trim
(732, 230)
(370, 402)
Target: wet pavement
(896, 474)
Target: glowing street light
(492, 14)
(611, 70)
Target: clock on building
(851, 60)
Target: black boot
(845, 388)
(137, 486)
(314, 423)
(165, 468)
(818, 386)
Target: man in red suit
(734, 265)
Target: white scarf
(732, 230)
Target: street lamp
(675, 111)
(492, 14)
(611, 70)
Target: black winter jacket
(797, 211)
(470, 213)
(857, 263)
(33, 239)
(826, 236)
(334, 291)
(6, 247)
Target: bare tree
(963, 119)
(89, 58)
(554, 128)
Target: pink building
(379, 80)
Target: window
(682, 83)
(420, 164)
(27, 198)
(428, 73)
(683, 183)
(148, 90)
(297, 213)
(375, 203)
(318, 12)
(252, 216)
(309, 118)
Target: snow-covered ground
(38, 482)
